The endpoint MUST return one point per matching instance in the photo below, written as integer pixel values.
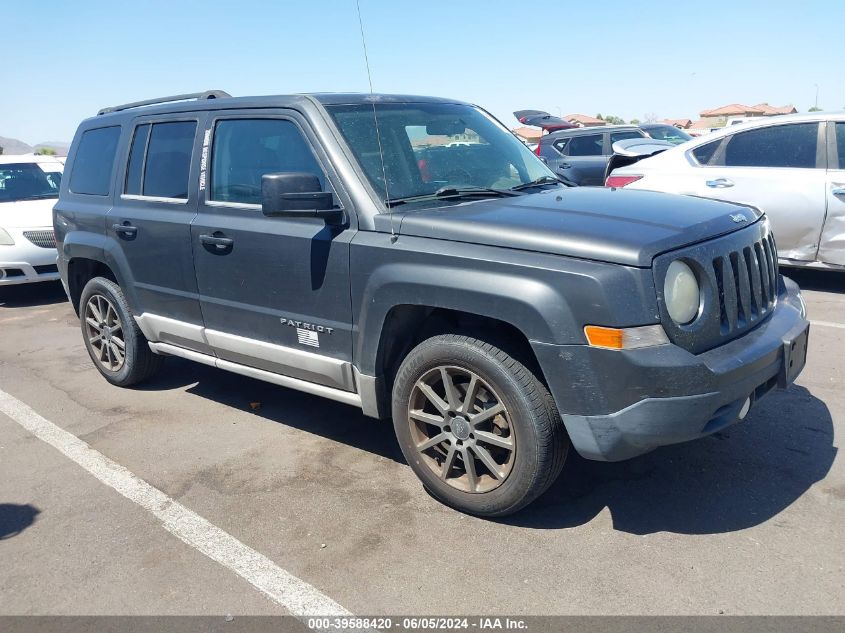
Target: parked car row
(579, 155)
(791, 167)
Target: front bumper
(23, 262)
(620, 404)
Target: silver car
(792, 167)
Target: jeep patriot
(410, 257)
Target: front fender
(546, 297)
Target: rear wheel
(477, 426)
(115, 343)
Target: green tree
(614, 120)
(635, 121)
(814, 109)
(45, 151)
(600, 117)
(1, 151)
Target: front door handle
(217, 241)
(564, 166)
(125, 230)
(719, 183)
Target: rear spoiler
(544, 120)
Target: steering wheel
(458, 175)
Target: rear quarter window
(704, 153)
(92, 164)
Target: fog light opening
(746, 406)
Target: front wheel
(477, 426)
(112, 337)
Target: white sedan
(791, 167)
(29, 187)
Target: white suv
(29, 187)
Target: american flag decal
(307, 337)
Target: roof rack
(208, 94)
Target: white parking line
(283, 588)
(841, 326)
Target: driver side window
(244, 150)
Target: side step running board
(331, 393)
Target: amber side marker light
(625, 338)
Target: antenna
(375, 120)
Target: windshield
(429, 147)
(28, 181)
(668, 133)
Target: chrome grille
(44, 239)
(747, 283)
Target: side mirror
(296, 194)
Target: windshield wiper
(543, 180)
(453, 193)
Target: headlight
(6, 239)
(681, 292)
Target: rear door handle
(564, 166)
(125, 229)
(218, 241)
(719, 183)
(838, 190)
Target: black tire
(533, 425)
(139, 362)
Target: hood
(622, 226)
(27, 213)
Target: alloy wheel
(462, 429)
(105, 333)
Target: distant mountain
(14, 146)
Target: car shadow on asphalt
(29, 295)
(735, 479)
(820, 280)
(15, 518)
(326, 418)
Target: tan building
(679, 123)
(718, 116)
(528, 134)
(582, 120)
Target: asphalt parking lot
(748, 521)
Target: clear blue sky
(66, 59)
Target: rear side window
(704, 153)
(777, 146)
(168, 161)
(840, 144)
(93, 161)
(590, 145)
(623, 136)
(246, 149)
(160, 160)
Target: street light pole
(817, 95)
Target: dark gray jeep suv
(409, 256)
